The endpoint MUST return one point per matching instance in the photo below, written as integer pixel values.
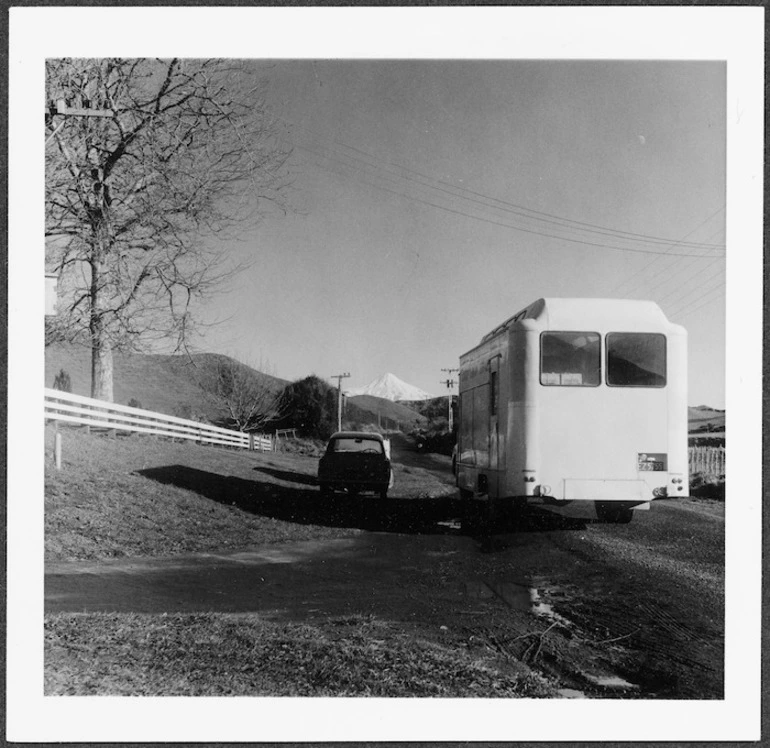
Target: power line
(677, 270)
(680, 305)
(691, 278)
(503, 205)
(491, 221)
(700, 303)
(657, 259)
(547, 217)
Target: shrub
(436, 439)
(310, 406)
(62, 381)
(707, 486)
(134, 403)
(308, 447)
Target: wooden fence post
(57, 450)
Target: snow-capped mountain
(390, 387)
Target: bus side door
(494, 405)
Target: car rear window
(351, 444)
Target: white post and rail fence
(85, 411)
(707, 460)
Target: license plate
(652, 461)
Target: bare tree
(187, 151)
(251, 398)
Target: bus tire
(616, 515)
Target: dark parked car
(356, 461)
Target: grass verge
(229, 655)
(136, 496)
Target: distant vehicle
(356, 461)
(574, 400)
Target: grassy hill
(166, 384)
(387, 413)
(169, 384)
(702, 418)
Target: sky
(432, 199)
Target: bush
(310, 406)
(134, 403)
(436, 439)
(370, 428)
(309, 447)
(707, 487)
(62, 381)
(189, 413)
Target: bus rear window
(570, 359)
(636, 359)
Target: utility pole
(339, 378)
(449, 383)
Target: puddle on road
(571, 693)
(516, 595)
(450, 524)
(610, 681)
(544, 610)
(526, 598)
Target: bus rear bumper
(583, 508)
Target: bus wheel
(616, 515)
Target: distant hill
(703, 419)
(435, 408)
(387, 413)
(168, 384)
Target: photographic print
(387, 375)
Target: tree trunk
(101, 348)
(101, 370)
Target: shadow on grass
(307, 505)
(427, 516)
(307, 480)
